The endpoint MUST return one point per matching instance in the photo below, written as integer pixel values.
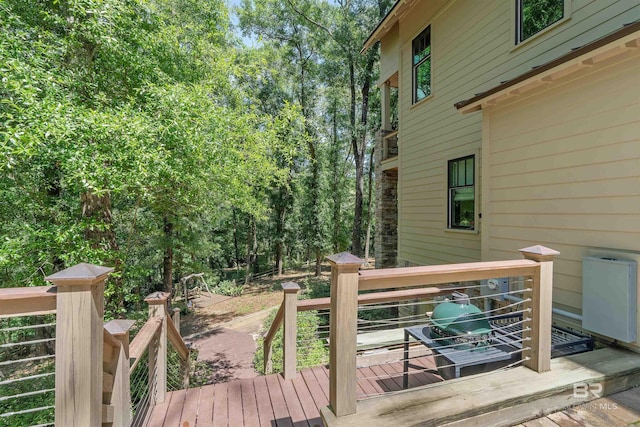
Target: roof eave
(628, 36)
(386, 23)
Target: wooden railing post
(290, 332)
(176, 318)
(158, 349)
(121, 393)
(342, 335)
(539, 357)
(79, 344)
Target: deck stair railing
(101, 376)
(347, 280)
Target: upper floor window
(462, 194)
(533, 16)
(421, 48)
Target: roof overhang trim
(392, 17)
(620, 42)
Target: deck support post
(538, 358)
(385, 106)
(290, 331)
(79, 344)
(121, 393)
(158, 349)
(343, 322)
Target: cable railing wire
(27, 370)
(142, 383)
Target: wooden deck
(271, 401)
(617, 410)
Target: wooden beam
(538, 357)
(79, 345)
(268, 339)
(120, 397)
(27, 301)
(438, 274)
(159, 345)
(177, 341)
(342, 333)
(142, 340)
(289, 343)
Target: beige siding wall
(562, 169)
(472, 50)
(389, 54)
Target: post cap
(539, 253)
(290, 287)
(118, 327)
(80, 274)
(345, 258)
(157, 298)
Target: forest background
(144, 135)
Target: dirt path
(228, 349)
(225, 330)
(225, 349)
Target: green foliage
(228, 287)
(537, 15)
(310, 346)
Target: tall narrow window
(462, 193)
(421, 48)
(534, 16)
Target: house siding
(389, 54)
(472, 50)
(563, 170)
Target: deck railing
(347, 280)
(97, 370)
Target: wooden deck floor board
(319, 396)
(234, 397)
(263, 401)
(306, 401)
(190, 408)
(249, 404)
(205, 408)
(267, 401)
(220, 406)
(280, 411)
(323, 379)
(294, 406)
(174, 412)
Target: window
(462, 193)
(421, 48)
(533, 16)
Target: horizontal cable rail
(27, 369)
(383, 373)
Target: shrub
(228, 288)
(311, 348)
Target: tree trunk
(281, 214)
(335, 185)
(369, 203)
(167, 262)
(252, 247)
(100, 233)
